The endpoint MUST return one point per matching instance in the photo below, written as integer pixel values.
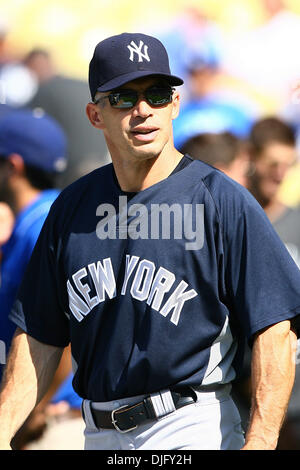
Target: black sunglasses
(155, 96)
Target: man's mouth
(145, 134)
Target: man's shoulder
(98, 177)
(230, 199)
(80, 195)
(217, 182)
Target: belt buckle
(114, 422)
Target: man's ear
(94, 115)
(175, 105)
(16, 163)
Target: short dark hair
(213, 148)
(270, 130)
(38, 178)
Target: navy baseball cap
(37, 137)
(120, 59)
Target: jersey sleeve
(262, 279)
(39, 306)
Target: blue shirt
(15, 256)
(66, 393)
(148, 299)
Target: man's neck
(138, 175)
(26, 197)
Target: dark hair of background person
(270, 130)
(39, 179)
(213, 148)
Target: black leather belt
(127, 418)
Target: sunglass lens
(123, 99)
(159, 96)
(128, 98)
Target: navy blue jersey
(157, 289)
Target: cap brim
(128, 77)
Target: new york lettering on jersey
(142, 280)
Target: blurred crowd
(240, 112)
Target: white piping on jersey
(222, 351)
(74, 365)
(2, 352)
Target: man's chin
(146, 152)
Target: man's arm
(28, 374)
(36, 422)
(272, 375)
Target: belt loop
(87, 414)
(162, 403)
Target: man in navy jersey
(155, 268)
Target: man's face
(140, 132)
(271, 167)
(7, 220)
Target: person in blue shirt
(32, 151)
(211, 103)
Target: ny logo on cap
(134, 49)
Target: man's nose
(280, 171)
(142, 108)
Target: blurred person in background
(223, 151)
(7, 216)
(40, 62)
(289, 192)
(34, 81)
(272, 153)
(272, 150)
(21, 76)
(7, 220)
(7, 53)
(64, 99)
(18, 83)
(33, 151)
(213, 101)
(212, 106)
(190, 27)
(31, 146)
